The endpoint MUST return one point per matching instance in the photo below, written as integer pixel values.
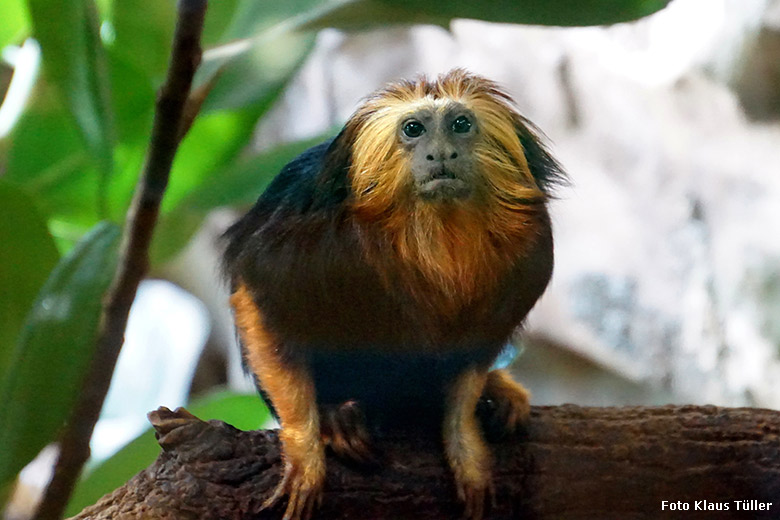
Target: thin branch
(134, 258)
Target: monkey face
(455, 142)
(439, 141)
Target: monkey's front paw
(475, 495)
(505, 404)
(343, 428)
(302, 484)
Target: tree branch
(134, 257)
(570, 462)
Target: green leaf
(275, 48)
(139, 56)
(62, 180)
(246, 87)
(542, 12)
(130, 161)
(366, 13)
(218, 19)
(242, 411)
(74, 61)
(133, 99)
(15, 23)
(45, 125)
(27, 256)
(258, 74)
(54, 350)
(253, 18)
(143, 34)
(213, 140)
(239, 183)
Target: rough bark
(570, 462)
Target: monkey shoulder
(295, 249)
(297, 187)
(306, 193)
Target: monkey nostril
(454, 155)
(429, 157)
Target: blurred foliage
(73, 157)
(54, 349)
(15, 24)
(367, 13)
(26, 258)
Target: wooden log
(569, 463)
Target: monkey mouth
(442, 187)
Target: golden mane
(464, 247)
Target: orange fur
(466, 451)
(511, 399)
(461, 249)
(291, 389)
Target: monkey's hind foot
(344, 430)
(504, 405)
(477, 498)
(302, 484)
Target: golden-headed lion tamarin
(382, 272)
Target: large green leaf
(143, 33)
(218, 19)
(27, 255)
(247, 85)
(139, 53)
(144, 30)
(260, 73)
(74, 61)
(540, 12)
(257, 17)
(54, 350)
(274, 49)
(242, 411)
(43, 141)
(15, 23)
(214, 139)
(47, 157)
(241, 182)
(140, 49)
(359, 14)
(133, 100)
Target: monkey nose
(442, 155)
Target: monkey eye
(461, 125)
(413, 129)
